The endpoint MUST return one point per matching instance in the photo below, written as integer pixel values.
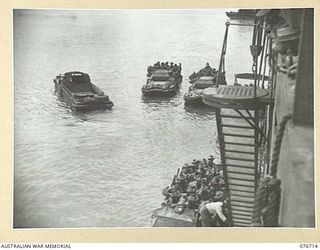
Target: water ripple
(107, 168)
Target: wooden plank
(240, 144)
(243, 217)
(233, 94)
(238, 224)
(226, 103)
(228, 130)
(241, 193)
(245, 177)
(242, 183)
(235, 121)
(241, 209)
(234, 155)
(233, 139)
(241, 166)
(235, 212)
(246, 159)
(233, 162)
(241, 188)
(241, 204)
(234, 116)
(236, 126)
(239, 151)
(227, 111)
(238, 135)
(242, 199)
(240, 170)
(236, 220)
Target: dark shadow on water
(61, 104)
(80, 115)
(200, 110)
(162, 99)
(156, 99)
(90, 115)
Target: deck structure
(241, 126)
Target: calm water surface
(107, 168)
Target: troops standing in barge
(200, 188)
(162, 79)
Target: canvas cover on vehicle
(204, 82)
(161, 75)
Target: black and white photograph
(144, 118)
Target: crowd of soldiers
(173, 69)
(198, 186)
(206, 71)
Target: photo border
(217, 235)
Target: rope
(267, 200)
(262, 58)
(265, 63)
(254, 57)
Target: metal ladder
(239, 158)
